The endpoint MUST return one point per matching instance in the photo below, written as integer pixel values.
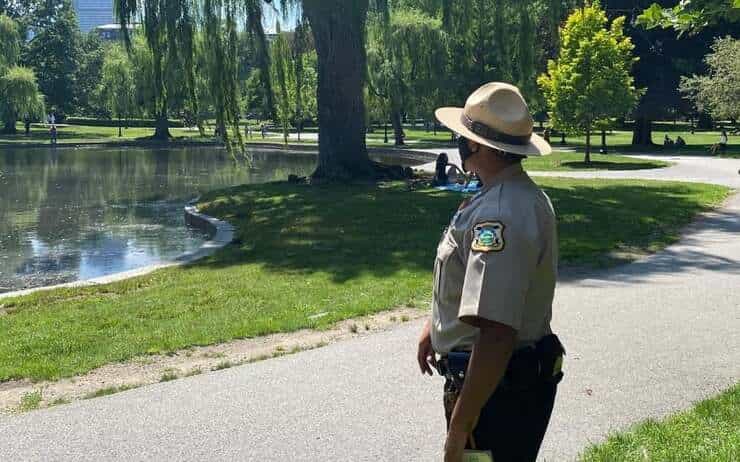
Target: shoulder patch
(488, 237)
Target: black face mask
(464, 149)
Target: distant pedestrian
(264, 131)
(53, 134)
(722, 145)
(444, 172)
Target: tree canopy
(10, 42)
(691, 15)
(54, 53)
(405, 59)
(19, 90)
(117, 86)
(19, 96)
(590, 81)
(718, 92)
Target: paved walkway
(643, 340)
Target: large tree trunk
(398, 128)
(9, 127)
(338, 27)
(161, 124)
(162, 128)
(705, 121)
(642, 133)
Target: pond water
(75, 214)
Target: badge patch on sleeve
(488, 237)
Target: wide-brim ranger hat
(496, 115)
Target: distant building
(111, 32)
(93, 13)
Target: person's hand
(425, 355)
(455, 445)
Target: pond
(75, 214)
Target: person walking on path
(494, 281)
(53, 134)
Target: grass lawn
(696, 144)
(708, 432)
(417, 138)
(573, 161)
(303, 250)
(74, 134)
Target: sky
(270, 15)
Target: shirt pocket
(445, 251)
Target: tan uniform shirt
(498, 261)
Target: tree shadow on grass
(348, 231)
(689, 253)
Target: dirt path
(19, 395)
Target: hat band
(492, 134)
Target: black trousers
(513, 422)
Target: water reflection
(71, 214)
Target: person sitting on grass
(722, 145)
(667, 141)
(444, 172)
(680, 142)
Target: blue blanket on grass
(471, 188)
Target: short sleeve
(502, 257)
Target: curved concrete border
(221, 234)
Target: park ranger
(494, 280)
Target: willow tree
(300, 45)
(503, 40)
(220, 51)
(10, 42)
(19, 97)
(280, 73)
(338, 28)
(405, 56)
(19, 90)
(169, 29)
(117, 87)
